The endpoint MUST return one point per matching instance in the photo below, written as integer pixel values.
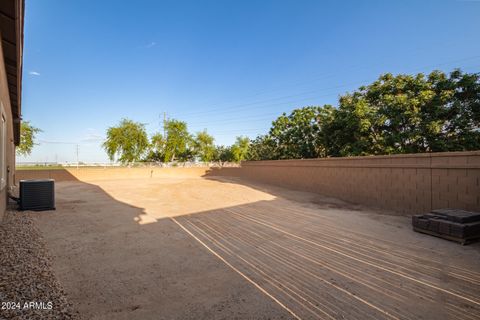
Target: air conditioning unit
(37, 195)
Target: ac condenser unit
(37, 195)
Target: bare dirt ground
(193, 248)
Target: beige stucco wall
(10, 148)
(409, 184)
(412, 183)
(109, 173)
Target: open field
(188, 247)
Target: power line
(242, 119)
(279, 104)
(253, 104)
(267, 103)
(278, 87)
(238, 130)
(56, 142)
(244, 106)
(237, 119)
(331, 75)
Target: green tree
(223, 154)
(203, 146)
(301, 134)
(402, 104)
(408, 114)
(353, 130)
(28, 134)
(177, 141)
(128, 141)
(461, 114)
(262, 148)
(239, 149)
(157, 148)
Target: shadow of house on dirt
(118, 260)
(186, 255)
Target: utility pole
(77, 156)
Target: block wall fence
(108, 173)
(411, 183)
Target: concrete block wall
(109, 173)
(412, 183)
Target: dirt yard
(195, 248)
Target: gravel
(28, 287)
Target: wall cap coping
(373, 157)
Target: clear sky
(228, 66)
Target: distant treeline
(395, 114)
(128, 142)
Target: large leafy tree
(28, 134)
(394, 114)
(239, 149)
(127, 141)
(157, 148)
(407, 110)
(354, 128)
(408, 114)
(301, 134)
(204, 146)
(177, 142)
(223, 154)
(461, 125)
(262, 148)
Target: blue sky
(228, 66)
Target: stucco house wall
(9, 165)
(11, 57)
